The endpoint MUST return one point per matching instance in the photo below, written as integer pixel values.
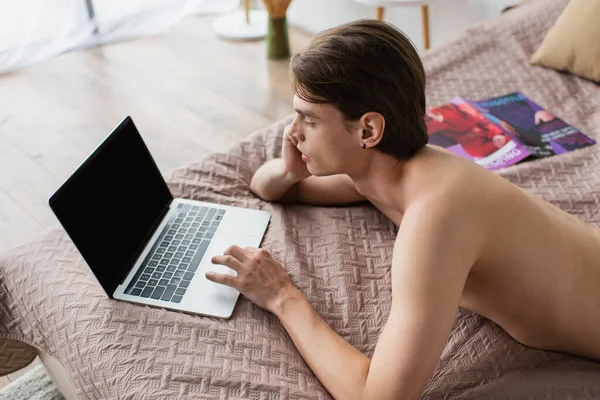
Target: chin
(318, 172)
(313, 171)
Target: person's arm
(434, 250)
(272, 183)
(287, 179)
(437, 244)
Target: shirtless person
(467, 238)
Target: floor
(6, 380)
(189, 93)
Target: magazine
(502, 131)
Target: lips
(305, 158)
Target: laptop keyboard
(171, 264)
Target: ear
(372, 125)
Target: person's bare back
(538, 272)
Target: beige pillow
(573, 43)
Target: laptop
(143, 245)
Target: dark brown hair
(363, 66)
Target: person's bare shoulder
(461, 197)
(439, 148)
(443, 176)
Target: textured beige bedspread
(339, 257)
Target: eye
(309, 124)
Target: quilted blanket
(340, 257)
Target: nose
(295, 130)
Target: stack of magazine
(501, 131)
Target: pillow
(573, 43)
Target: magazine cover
(540, 131)
(464, 130)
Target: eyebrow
(307, 113)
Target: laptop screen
(112, 203)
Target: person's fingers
(251, 250)
(287, 133)
(292, 139)
(222, 279)
(229, 261)
(237, 252)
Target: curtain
(35, 30)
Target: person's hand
(292, 157)
(499, 140)
(259, 276)
(543, 116)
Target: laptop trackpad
(214, 298)
(222, 242)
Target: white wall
(447, 18)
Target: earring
(364, 146)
